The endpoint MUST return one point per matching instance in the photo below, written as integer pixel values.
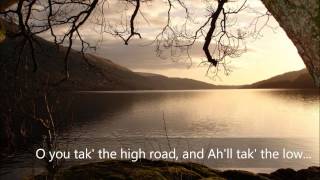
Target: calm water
(215, 113)
(258, 117)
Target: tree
(221, 40)
(301, 22)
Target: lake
(221, 118)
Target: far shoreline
(148, 169)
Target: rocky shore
(164, 170)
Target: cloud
(270, 50)
(140, 54)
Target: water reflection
(218, 113)
(188, 114)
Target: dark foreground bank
(147, 169)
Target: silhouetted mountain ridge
(295, 79)
(101, 74)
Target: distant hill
(163, 82)
(295, 79)
(103, 74)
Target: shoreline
(148, 169)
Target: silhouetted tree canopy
(219, 33)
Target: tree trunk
(301, 21)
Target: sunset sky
(267, 56)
